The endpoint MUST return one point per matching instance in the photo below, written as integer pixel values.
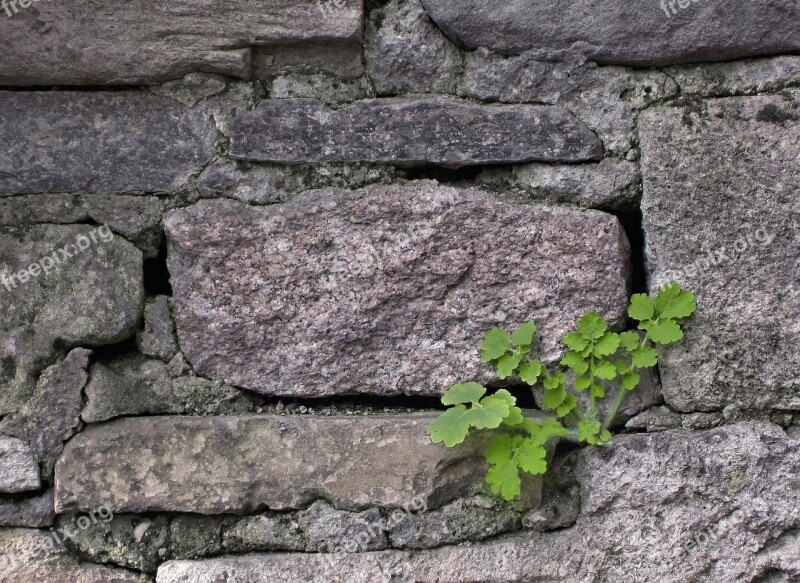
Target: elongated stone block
(411, 131)
(623, 33)
(18, 469)
(730, 488)
(127, 42)
(99, 142)
(383, 291)
(214, 465)
(721, 216)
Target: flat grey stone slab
(99, 142)
(443, 131)
(215, 465)
(19, 471)
(126, 42)
(624, 33)
(383, 291)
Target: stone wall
(244, 246)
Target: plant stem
(614, 409)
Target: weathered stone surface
(212, 465)
(192, 89)
(137, 218)
(406, 53)
(135, 385)
(736, 160)
(410, 131)
(739, 78)
(99, 142)
(613, 33)
(89, 298)
(18, 470)
(645, 498)
(326, 88)
(128, 541)
(612, 184)
(52, 415)
(336, 58)
(470, 519)
(128, 43)
(664, 418)
(259, 185)
(407, 278)
(192, 536)
(29, 512)
(33, 556)
(158, 337)
(606, 99)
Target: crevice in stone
(632, 224)
(72, 88)
(465, 175)
(156, 274)
(114, 351)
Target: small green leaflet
(463, 393)
(575, 361)
(503, 478)
(575, 341)
(530, 371)
(507, 364)
(662, 331)
(629, 340)
(606, 371)
(673, 302)
(554, 398)
(451, 427)
(644, 357)
(642, 307)
(592, 326)
(495, 344)
(607, 345)
(524, 334)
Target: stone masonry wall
(246, 245)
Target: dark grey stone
(158, 337)
(29, 512)
(99, 142)
(617, 32)
(410, 131)
(19, 471)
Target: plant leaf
(503, 478)
(630, 381)
(507, 364)
(489, 413)
(451, 427)
(605, 370)
(607, 344)
(495, 344)
(642, 307)
(575, 341)
(575, 362)
(463, 393)
(554, 398)
(524, 334)
(530, 371)
(592, 326)
(663, 331)
(531, 457)
(673, 302)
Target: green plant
(597, 358)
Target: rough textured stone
(18, 470)
(407, 278)
(32, 556)
(336, 58)
(158, 337)
(470, 519)
(406, 53)
(192, 89)
(137, 218)
(656, 419)
(52, 415)
(606, 99)
(410, 131)
(739, 78)
(135, 385)
(99, 142)
(128, 541)
(327, 88)
(185, 464)
(644, 499)
(193, 536)
(129, 43)
(265, 532)
(614, 33)
(29, 512)
(736, 160)
(611, 184)
(259, 185)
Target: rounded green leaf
(575, 361)
(530, 371)
(592, 326)
(642, 307)
(463, 393)
(495, 344)
(451, 427)
(524, 334)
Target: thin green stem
(614, 408)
